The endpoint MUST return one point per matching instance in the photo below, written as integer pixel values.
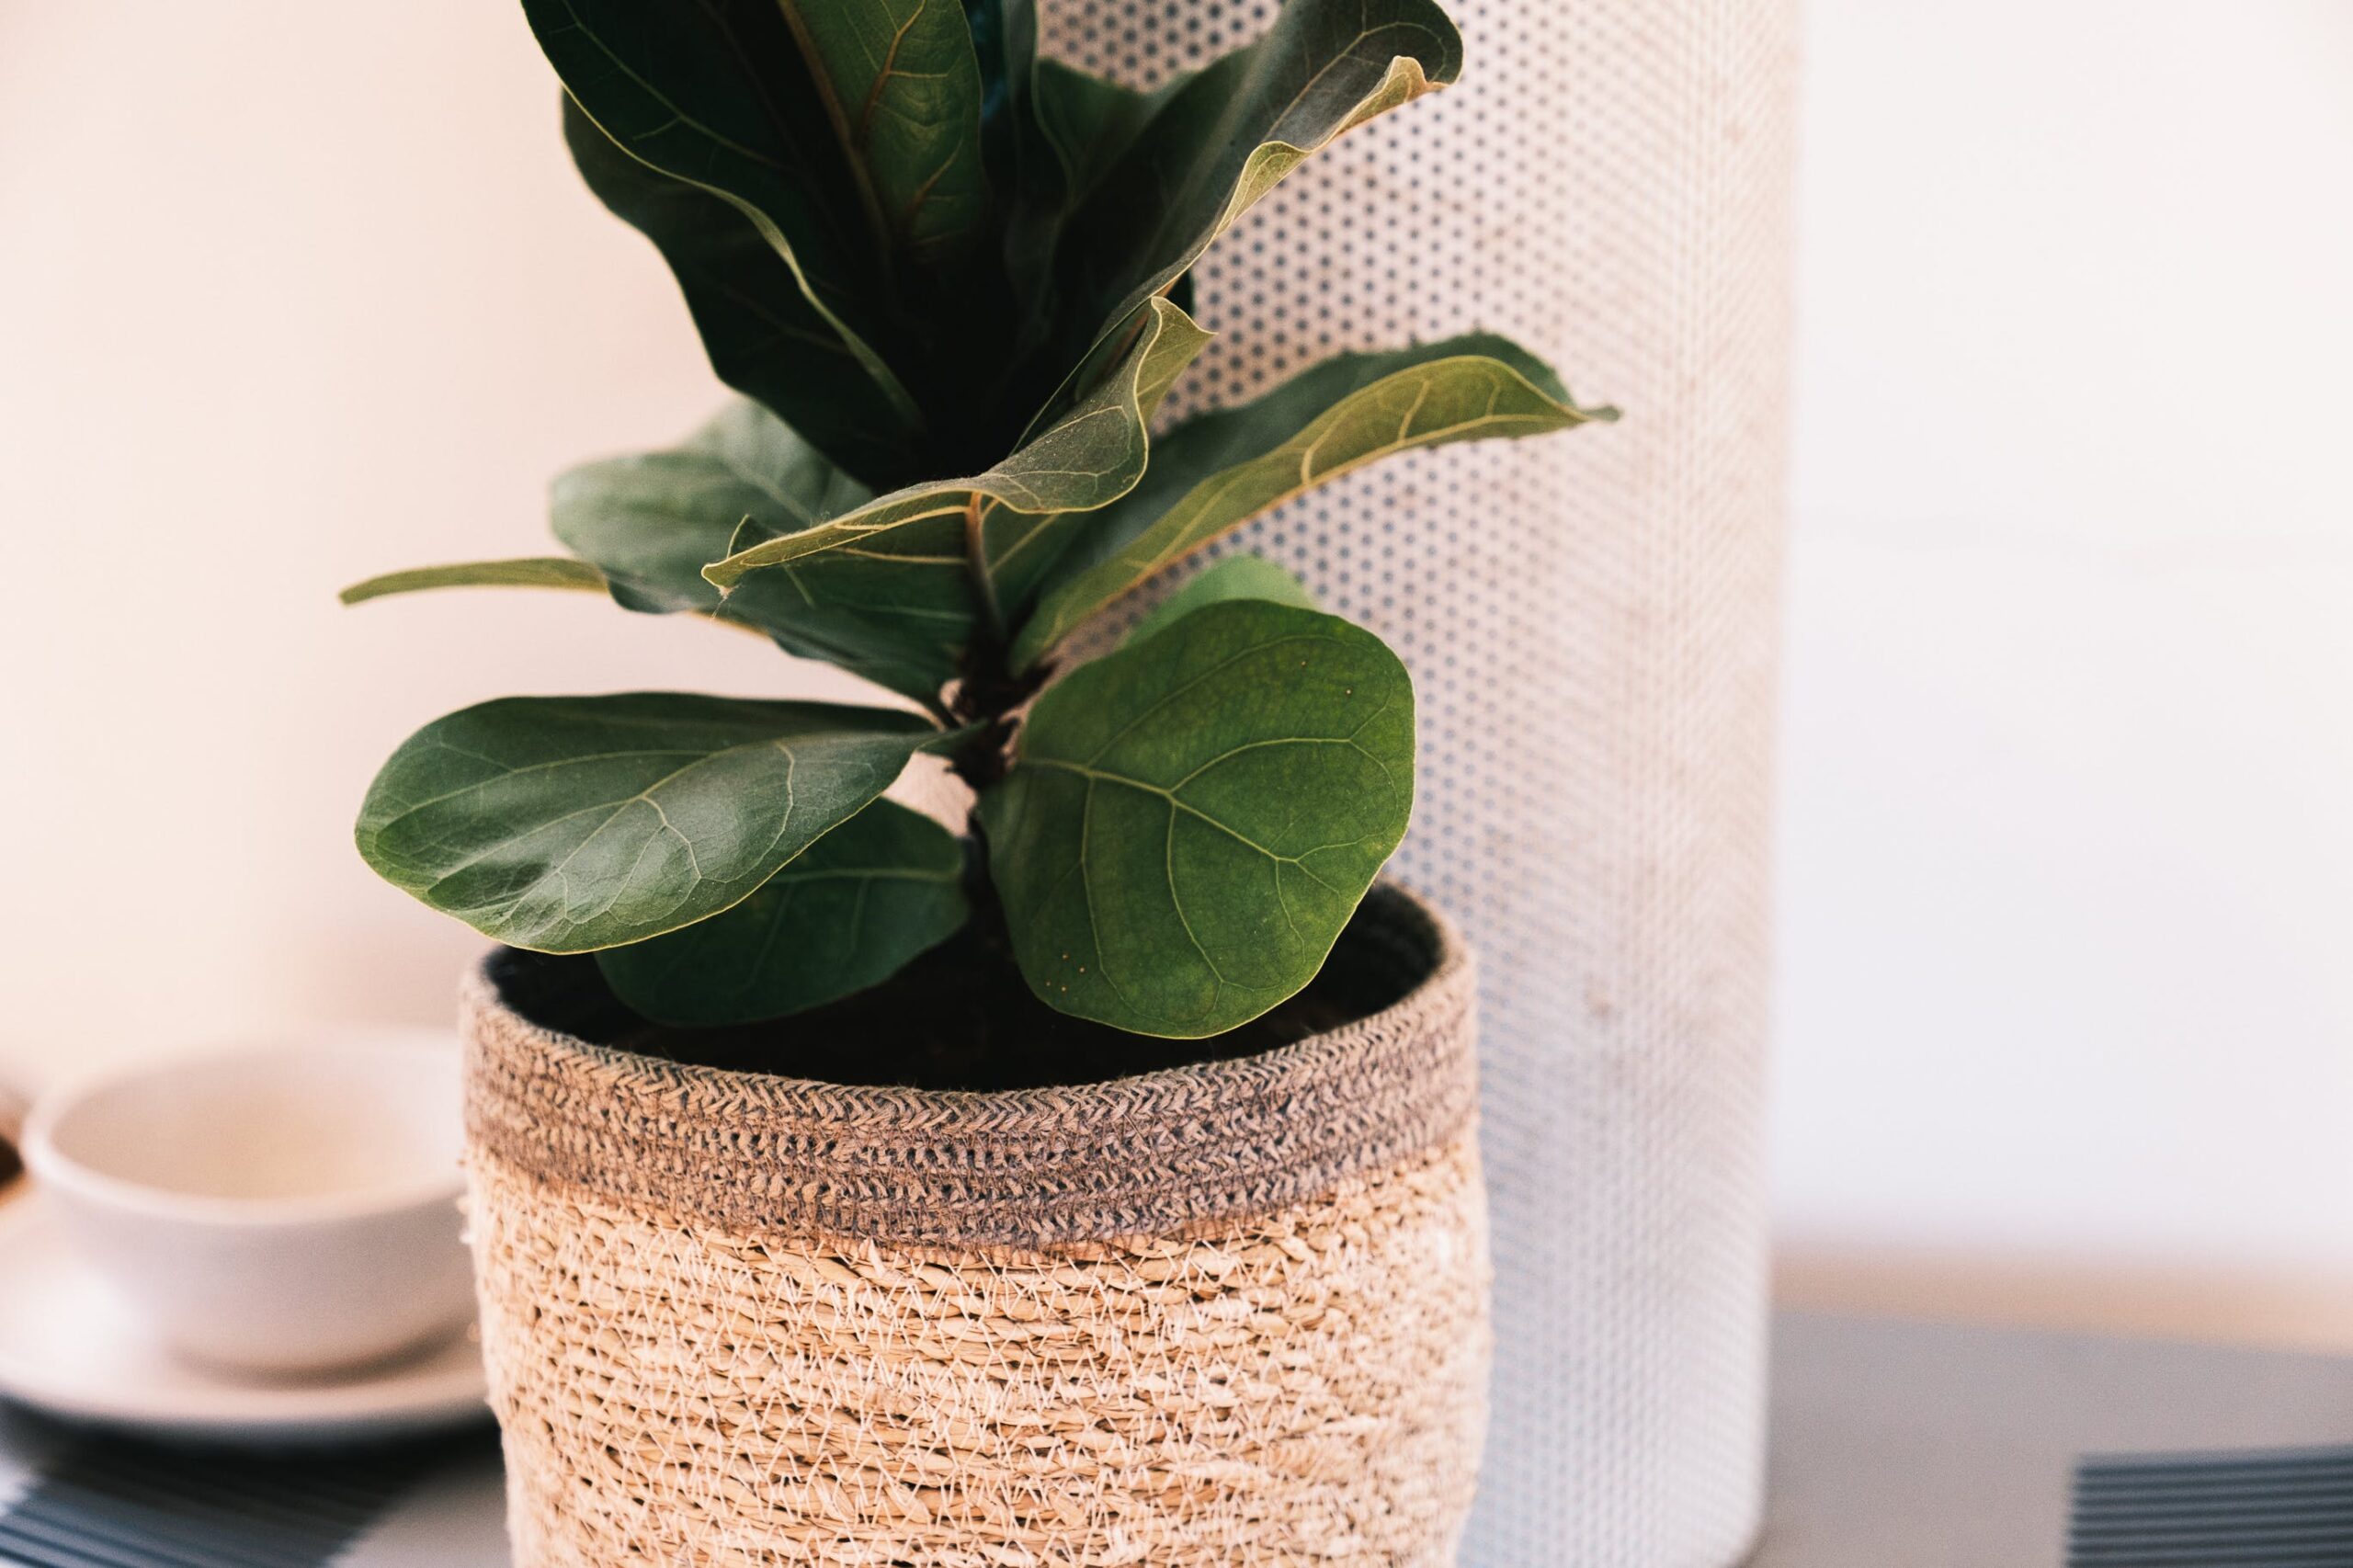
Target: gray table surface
(1909, 1444)
(1894, 1444)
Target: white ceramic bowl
(284, 1209)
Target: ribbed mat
(2268, 1509)
(113, 1502)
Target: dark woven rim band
(1147, 1155)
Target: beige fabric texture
(1591, 623)
(733, 1320)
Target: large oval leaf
(1217, 470)
(900, 82)
(857, 905)
(567, 823)
(763, 335)
(721, 96)
(1191, 822)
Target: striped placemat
(117, 1503)
(2262, 1508)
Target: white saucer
(69, 1348)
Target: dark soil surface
(958, 1018)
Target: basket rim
(1450, 963)
(1148, 1153)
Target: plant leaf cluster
(948, 277)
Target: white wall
(289, 293)
(2067, 795)
(292, 292)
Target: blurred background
(291, 293)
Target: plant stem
(989, 691)
(976, 565)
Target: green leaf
(763, 335)
(654, 519)
(530, 571)
(717, 95)
(1064, 128)
(1236, 577)
(1006, 47)
(1189, 823)
(900, 82)
(857, 905)
(567, 823)
(1216, 471)
(652, 522)
(1219, 140)
(1024, 506)
(1087, 122)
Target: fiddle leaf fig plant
(948, 277)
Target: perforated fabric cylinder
(1591, 623)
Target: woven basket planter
(1224, 1315)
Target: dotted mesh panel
(1591, 621)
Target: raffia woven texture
(735, 1319)
(1590, 620)
(1301, 1389)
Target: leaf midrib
(1398, 443)
(1217, 977)
(853, 154)
(1105, 776)
(1056, 622)
(506, 771)
(614, 810)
